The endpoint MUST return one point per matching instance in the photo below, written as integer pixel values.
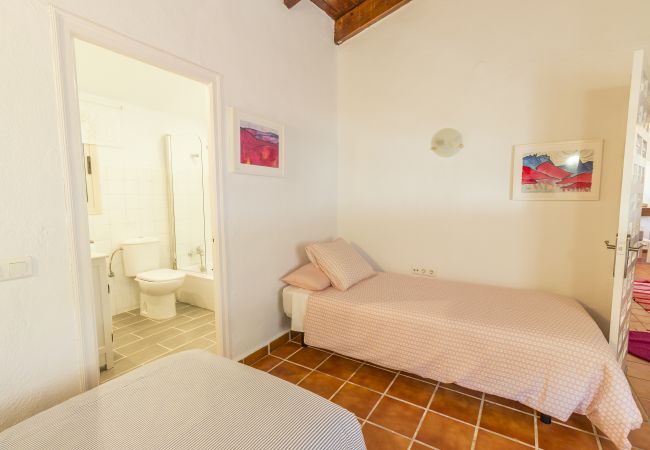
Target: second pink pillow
(308, 277)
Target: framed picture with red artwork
(257, 145)
(557, 171)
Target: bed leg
(302, 340)
(545, 419)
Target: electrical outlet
(424, 272)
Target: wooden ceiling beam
(291, 3)
(325, 6)
(361, 17)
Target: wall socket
(424, 272)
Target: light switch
(11, 269)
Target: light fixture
(447, 142)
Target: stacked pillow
(335, 262)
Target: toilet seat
(161, 275)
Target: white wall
(274, 63)
(503, 72)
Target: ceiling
(353, 16)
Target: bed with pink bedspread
(540, 349)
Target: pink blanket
(540, 349)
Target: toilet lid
(161, 275)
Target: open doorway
(143, 158)
(144, 132)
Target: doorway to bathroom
(144, 172)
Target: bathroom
(148, 183)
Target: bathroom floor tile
(189, 336)
(141, 344)
(139, 340)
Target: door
(628, 240)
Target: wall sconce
(447, 142)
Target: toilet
(157, 286)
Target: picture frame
(569, 170)
(256, 145)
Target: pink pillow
(342, 264)
(308, 277)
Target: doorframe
(67, 27)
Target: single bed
(191, 400)
(540, 349)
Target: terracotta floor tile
(462, 389)
(289, 372)
(266, 363)
(418, 446)
(645, 405)
(411, 390)
(284, 351)
(490, 441)
(373, 378)
(607, 445)
(558, 437)
(633, 358)
(339, 367)
(456, 405)
(379, 439)
(638, 370)
(444, 433)
(321, 384)
(397, 416)
(580, 421)
(309, 357)
(356, 399)
(641, 438)
(508, 422)
(641, 387)
(507, 402)
(258, 354)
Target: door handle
(610, 246)
(636, 249)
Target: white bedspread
(540, 349)
(192, 400)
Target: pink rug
(641, 293)
(639, 344)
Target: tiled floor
(138, 340)
(402, 411)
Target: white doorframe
(66, 28)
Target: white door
(628, 240)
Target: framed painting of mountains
(257, 145)
(557, 171)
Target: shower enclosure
(187, 174)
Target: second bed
(540, 349)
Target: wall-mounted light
(447, 142)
